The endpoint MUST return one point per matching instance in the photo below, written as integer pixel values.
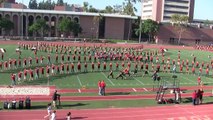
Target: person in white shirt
(69, 116)
(49, 109)
(53, 115)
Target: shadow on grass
(187, 100)
(118, 93)
(74, 105)
(38, 107)
(58, 107)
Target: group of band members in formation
(68, 59)
(204, 47)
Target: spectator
(13, 79)
(54, 97)
(201, 96)
(68, 116)
(49, 109)
(53, 115)
(99, 87)
(103, 86)
(194, 97)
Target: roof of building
(66, 13)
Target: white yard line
(134, 89)
(79, 90)
(79, 81)
(145, 89)
(138, 81)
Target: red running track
(99, 98)
(174, 112)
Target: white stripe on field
(79, 81)
(79, 90)
(108, 79)
(134, 89)
(145, 89)
(138, 81)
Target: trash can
(21, 104)
(28, 103)
(13, 104)
(5, 105)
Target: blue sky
(203, 8)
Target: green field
(89, 79)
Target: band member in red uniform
(19, 63)
(187, 69)
(93, 66)
(72, 67)
(123, 64)
(85, 58)
(47, 71)
(168, 68)
(62, 69)
(56, 58)
(117, 65)
(104, 66)
(73, 57)
(31, 74)
(68, 68)
(99, 66)
(207, 72)
(110, 65)
(85, 67)
(79, 67)
(193, 70)
(19, 76)
(62, 58)
(79, 58)
(68, 58)
(164, 68)
(25, 74)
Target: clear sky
(203, 8)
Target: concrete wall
(89, 27)
(114, 28)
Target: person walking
(53, 115)
(68, 116)
(55, 97)
(49, 109)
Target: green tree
(128, 7)
(180, 22)
(6, 25)
(109, 9)
(48, 5)
(40, 27)
(149, 27)
(60, 2)
(92, 9)
(117, 8)
(76, 29)
(85, 6)
(67, 26)
(33, 4)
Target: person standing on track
(103, 86)
(99, 87)
(194, 97)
